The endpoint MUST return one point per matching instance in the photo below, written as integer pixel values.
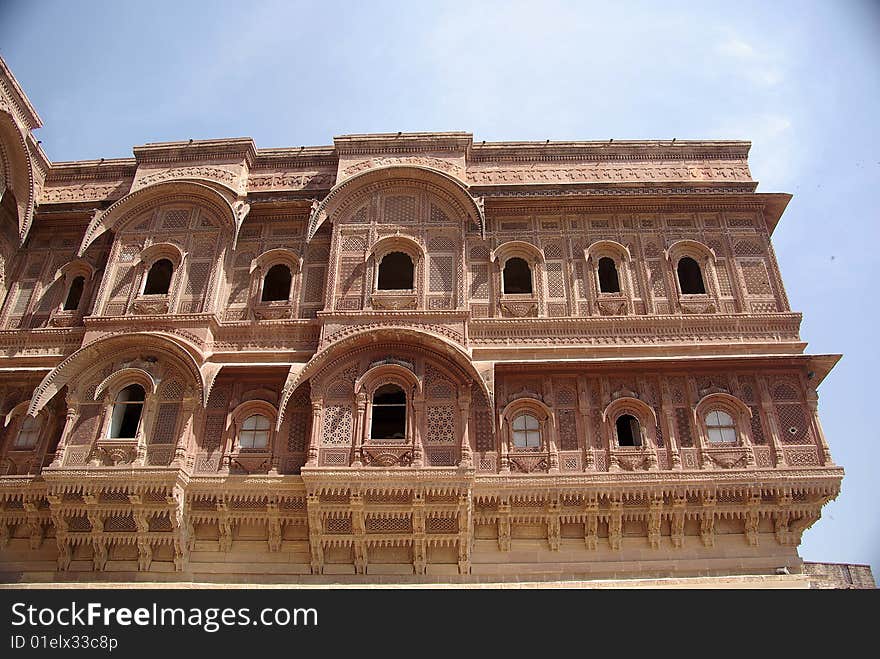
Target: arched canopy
(724, 402)
(455, 189)
(283, 255)
(173, 347)
(397, 243)
(159, 251)
(696, 250)
(610, 248)
(76, 268)
(384, 373)
(17, 171)
(628, 405)
(187, 190)
(125, 377)
(517, 248)
(434, 343)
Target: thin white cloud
(756, 65)
(734, 47)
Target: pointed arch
(335, 200)
(166, 191)
(18, 172)
(174, 347)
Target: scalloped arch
(160, 192)
(335, 198)
(18, 172)
(186, 354)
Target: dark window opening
(396, 272)
(276, 284)
(690, 279)
(628, 433)
(74, 295)
(159, 278)
(389, 413)
(127, 412)
(517, 276)
(609, 282)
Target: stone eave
(814, 480)
(296, 157)
(654, 195)
(205, 151)
(820, 365)
(775, 204)
(104, 169)
(549, 151)
(378, 143)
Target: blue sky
(801, 80)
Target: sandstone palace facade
(416, 355)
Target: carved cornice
(239, 149)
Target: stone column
(417, 415)
(360, 429)
(770, 416)
(315, 439)
(552, 444)
(464, 409)
(69, 419)
(813, 405)
(667, 420)
(585, 435)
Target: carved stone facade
(590, 367)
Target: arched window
(74, 294)
(159, 278)
(28, 434)
(690, 278)
(721, 427)
(389, 413)
(517, 276)
(276, 283)
(609, 282)
(396, 272)
(526, 432)
(127, 411)
(254, 432)
(628, 431)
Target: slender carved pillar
(813, 405)
(360, 429)
(69, 419)
(767, 409)
(667, 419)
(552, 443)
(464, 409)
(418, 415)
(315, 438)
(504, 446)
(186, 441)
(585, 434)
